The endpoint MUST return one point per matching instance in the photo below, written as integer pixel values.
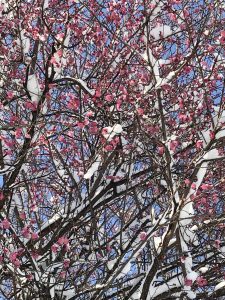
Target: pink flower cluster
(62, 242)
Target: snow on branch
(79, 82)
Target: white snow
(211, 154)
(219, 285)
(191, 294)
(166, 80)
(25, 42)
(172, 241)
(6, 170)
(156, 291)
(161, 31)
(94, 167)
(99, 286)
(125, 270)
(109, 132)
(157, 243)
(55, 217)
(203, 269)
(111, 264)
(33, 88)
(186, 234)
(117, 128)
(79, 81)
(186, 213)
(194, 228)
(136, 296)
(206, 221)
(206, 137)
(220, 134)
(200, 176)
(45, 4)
(4, 4)
(192, 276)
(220, 116)
(84, 84)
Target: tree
(112, 149)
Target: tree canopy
(112, 149)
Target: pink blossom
(5, 250)
(201, 281)
(199, 144)
(104, 131)
(27, 135)
(62, 274)
(73, 105)
(143, 235)
(217, 243)
(93, 129)
(187, 181)
(210, 48)
(140, 111)
(42, 37)
(173, 17)
(66, 263)
(20, 251)
(188, 282)
(108, 248)
(109, 98)
(215, 197)
(97, 93)
(59, 53)
(161, 150)
(1, 196)
(16, 263)
(212, 134)
(206, 186)
(14, 260)
(9, 143)
(30, 105)
(60, 36)
(5, 224)
(118, 104)
(67, 247)
(89, 113)
(34, 236)
(18, 132)
(109, 148)
(34, 254)
(181, 104)
(53, 60)
(63, 241)
(182, 259)
(35, 33)
(176, 1)
(173, 145)
(61, 138)
(183, 118)
(186, 13)
(193, 186)
(10, 95)
(25, 232)
(33, 207)
(80, 125)
(222, 37)
(22, 215)
(13, 256)
(29, 277)
(54, 248)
